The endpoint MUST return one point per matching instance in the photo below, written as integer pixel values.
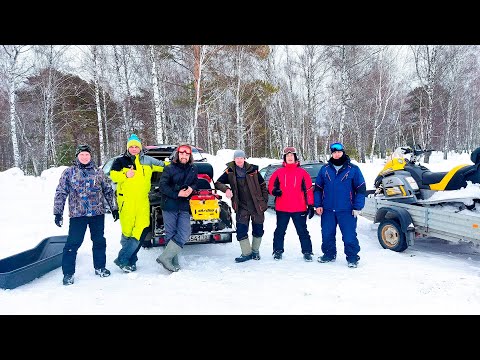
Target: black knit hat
(81, 148)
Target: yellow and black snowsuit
(132, 193)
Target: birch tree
(157, 100)
(49, 58)
(313, 70)
(16, 67)
(426, 62)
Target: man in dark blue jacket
(177, 183)
(339, 196)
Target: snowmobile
(404, 179)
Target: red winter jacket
(296, 186)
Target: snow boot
(246, 251)
(165, 258)
(68, 279)
(102, 272)
(256, 241)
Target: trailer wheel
(391, 237)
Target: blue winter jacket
(342, 191)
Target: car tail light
(217, 237)
(161, 241)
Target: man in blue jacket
(339, 196)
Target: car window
(108, 166)
(262, 172)
(267, 171)
(312, 169)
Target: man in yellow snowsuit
(132, 173)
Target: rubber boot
(246, 251)
(256, 241)
(175, 262)
(165, 258)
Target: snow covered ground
(431, 277)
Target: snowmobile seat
(429, 177)
(475, 156)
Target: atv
(404, 179)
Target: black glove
(115, 215)
(58, 220)
(310, 211)
(276, 192)
(146, 244)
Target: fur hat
(81, 148)
(133, 140)
(239, 153)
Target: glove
(276, 192)
(146, 244)
(115, 215)
(355, 213)
(310, 211)
(58, 220)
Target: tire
(391, 236)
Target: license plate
(199, 238)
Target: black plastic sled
(28, 265)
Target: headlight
(395, 190)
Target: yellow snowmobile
(405, 180)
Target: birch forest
(259, 98)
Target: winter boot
(256, 241)
(68, 279)
(246, 251)
(175, 262)
(165, 258)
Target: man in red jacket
(292, 187)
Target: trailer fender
(402, 216)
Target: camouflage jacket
(87, 188)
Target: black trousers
(300, 221)
(76, 233)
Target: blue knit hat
(133, 140)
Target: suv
(211, 218)
(312, 167)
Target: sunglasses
(289, 149)
(184, 150)
(336, 147)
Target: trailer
(400, 224)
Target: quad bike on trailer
(405, 180)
